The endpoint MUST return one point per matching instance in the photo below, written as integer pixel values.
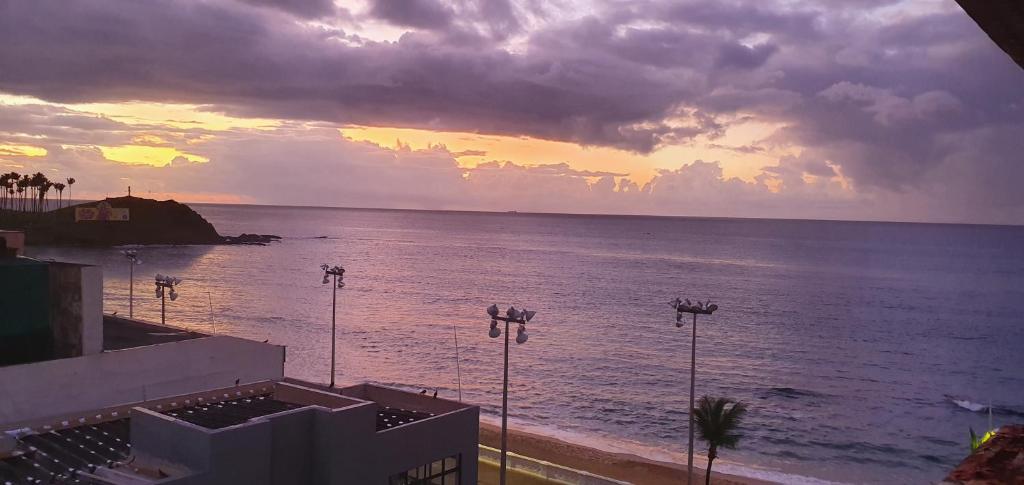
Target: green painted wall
(25, 334)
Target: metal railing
(549, 471)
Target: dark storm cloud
(890, 113)
(423, 14)
(744, 17)
(251, 62)
(457, 20)
(500, 16)
(888, 101)
(301, 8)
(741, 56)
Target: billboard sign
(102, 212)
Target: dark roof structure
(1003, 21)
(389, 417)
(216, 415)
(122, 333)
(68, 455)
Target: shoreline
(620, 466)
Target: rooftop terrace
(95, 446)
(216, 415)
(121, 333)
(71, 455)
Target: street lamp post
(339, 276)
(511, 316)
(164, 288)
(681, 307)
(458, 365)
(133, 259)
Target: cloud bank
(904, 105)
(307, 164)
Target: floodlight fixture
(165, 286)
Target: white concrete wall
(54, 388)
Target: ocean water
(864, 351)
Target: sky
(835, 109)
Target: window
(440, 472)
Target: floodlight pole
(513, 316)
(698, 309)
(133, 259)
(131, 288)
(337, 272)
(458, 365)
(334, 327)
(504, 412)
(693, 380)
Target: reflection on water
(844, 338)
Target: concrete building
(117, 401)
(47, 309)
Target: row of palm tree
(28, 193)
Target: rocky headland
(149, 222)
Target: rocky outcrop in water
(252, 239)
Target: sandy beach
(621, 466)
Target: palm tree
(43, 190)
(21, 191)
(71, 181)
(4, 178)
(60, 192)
(33, 182)
(29, 196)
(716, 423)
(12, 179)
(39, 182)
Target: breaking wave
(983, 408)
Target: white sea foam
(973, 406)
(968, 405)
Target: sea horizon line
(599, 215)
